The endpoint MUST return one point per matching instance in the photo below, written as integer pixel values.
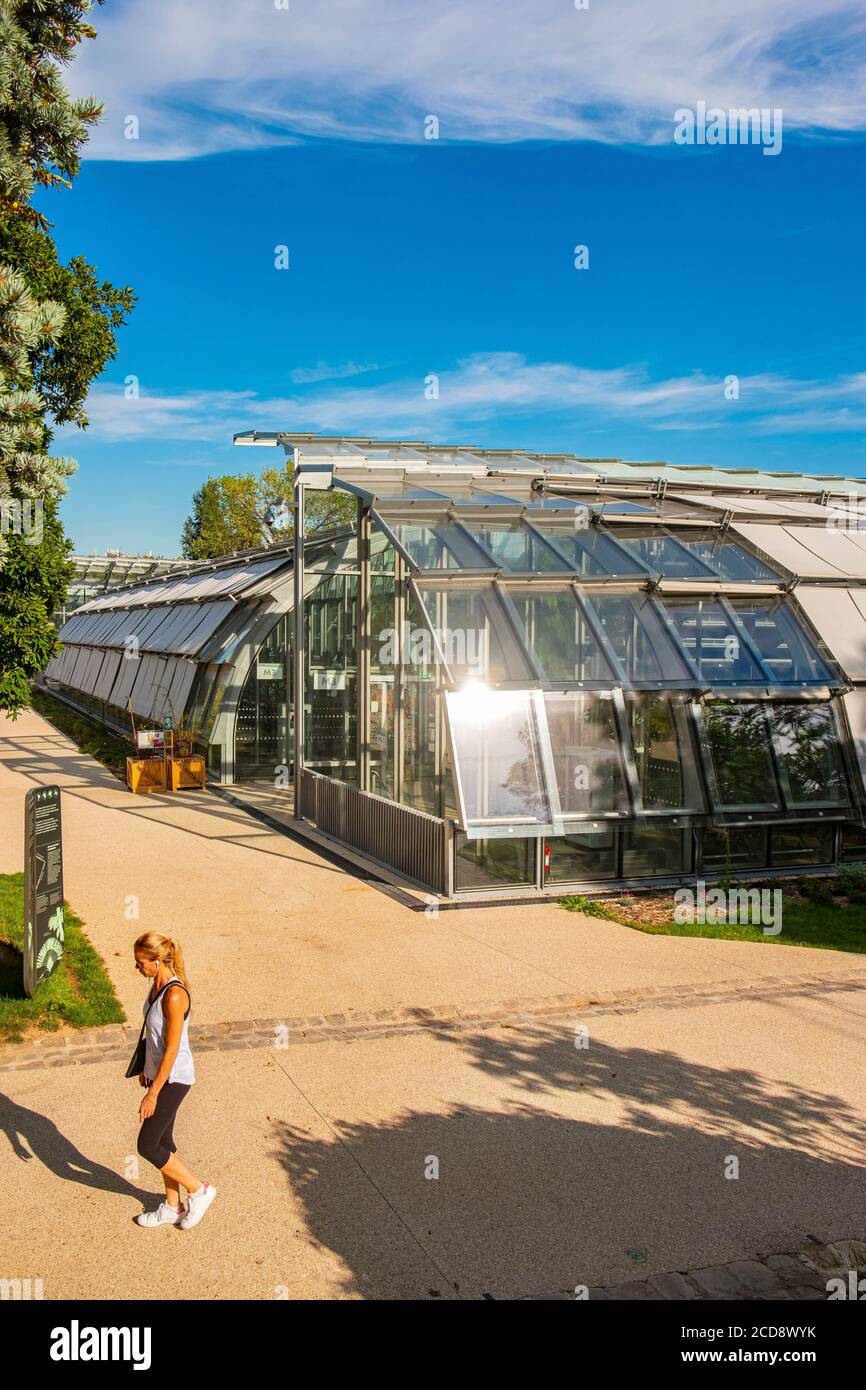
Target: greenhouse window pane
(586, 549)
(729, 559)
(583, 856)
(808, 748)
(559, 637)
(725, 851)
(853, 843)
(653, 852)
(439, 546)
(663, 553)
(715, 646)
(515, 547)
(664, 754)
(786, 653)
(489, 863)
(800, 845)
(739, 739)
(473, 633)
(586, 754)
(496, 755)
(639, 638)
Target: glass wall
(331, 722)
(263, 738)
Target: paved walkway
(269, 925)
(504, 1103)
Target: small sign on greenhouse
(43, 886)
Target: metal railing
(409, 841)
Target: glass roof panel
(517, 547)
(786, 654)
(638, 638)
(727, 557)
(439, 545)
(713, 642)
(663, 553)
(561, 641)
(586, 549)
(474, 635)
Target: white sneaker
(163, 1216)
(198, 1205)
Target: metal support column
(365, 618)
(298, 653)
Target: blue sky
(455, 256)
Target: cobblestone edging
(801, 1274)
(115, 1041)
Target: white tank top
(154, 1043)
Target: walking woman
(168, 1075)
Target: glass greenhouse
(521, 671)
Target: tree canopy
(57, 327)
(239, 511)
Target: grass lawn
(812, 915)
(107, 748)
(78, 993)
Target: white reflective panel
(67, 661)
(809, 551)
(107, 675)
(497, 757)
(163, 676)
(144, 691)
(212, 614)
(184, 673)
(126, 674)
(176, 623)
(92, 669)
(76, 675)
(107, 625)
(148, 627)
(76, 623)
(840, 621)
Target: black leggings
(156, 1136)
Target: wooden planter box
(145, 774)
(187, 772)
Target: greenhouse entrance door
(264, 731)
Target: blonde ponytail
(164, 949)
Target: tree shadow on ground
(575, 1167)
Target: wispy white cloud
(305, 376)
(502, 386)
(204, 77)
